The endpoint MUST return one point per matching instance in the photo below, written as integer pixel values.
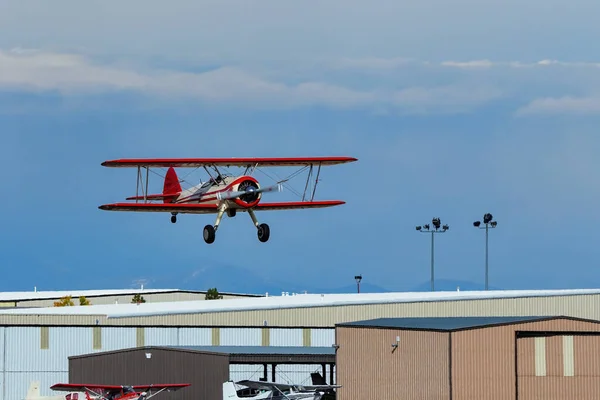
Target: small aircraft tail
(229, 391)
(171, 185)
(34, 390)
(171, 189)
(317, 379)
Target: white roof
(288, 301)
(42, 295)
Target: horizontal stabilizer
(169, 196)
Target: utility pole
(437, 228)
(488, 223)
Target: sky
(453, 109)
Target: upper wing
(265, 385)
(227, 162)
(81, 387)
(170, 387)
(321, 387)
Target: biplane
(223, 192)
(116, 392)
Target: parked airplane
(116, 392)
(275, 391)
(221, 193)
(33, 393)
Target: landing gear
(210, 230)
(209, 234)
(173, 218)
(263, 230)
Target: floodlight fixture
(488, 222)
(358, 278)
(436, 223)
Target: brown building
(204, 367)
(469, 358)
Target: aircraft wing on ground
(191, 208)
(226, 162)
(259, 385)
(168, 387)
(82, 387)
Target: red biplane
(222, 192)
(116, 392)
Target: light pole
(437, 228)
(489, 223)
(358, 278)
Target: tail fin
(229, 391)
(33, 391)
(171, 185)
(317, 379)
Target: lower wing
(191, 208)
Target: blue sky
(453, 110)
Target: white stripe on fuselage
(206, 193)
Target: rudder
(229, 391)
(34, 390)
(171, 185)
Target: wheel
(231, 212)
(173, 219)
(209, 234)
(263, 232)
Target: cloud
(72, 74)
(563, 105)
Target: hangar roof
(255, 350)
(445, 323)
(286, 302)
(246, 354)
(57, 294)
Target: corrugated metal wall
(483, 362)
(41, 353)
(584, 306)
(418, 368)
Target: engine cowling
(249, 199)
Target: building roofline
(518, 321)
(100, 293)
(288, 302)
(241, 357)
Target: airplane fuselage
(209, 192)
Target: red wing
(159, 207)
(81, 387)
(295, 205)
(227, 162)
(172, 386)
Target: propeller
(234, 194)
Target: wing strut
(144, 184)
(314, 189)
(316, 181)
